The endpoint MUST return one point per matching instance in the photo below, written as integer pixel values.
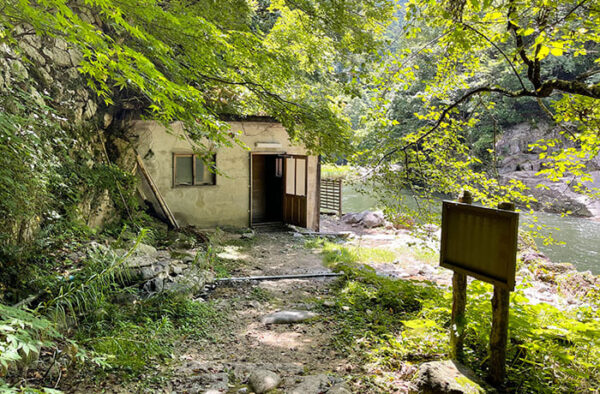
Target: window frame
(194, 158)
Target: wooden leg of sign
(457, 326)
(499, 335)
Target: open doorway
(267, 189)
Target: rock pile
(215, 377)
(157, 271)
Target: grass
(385, 325)
(334, 253)
(419, 253)
(134, 337)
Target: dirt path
(301, 354)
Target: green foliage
(190, 61)
(390, 322)
(460, 73)
(135, 336)
(193, 319)
(88, 289)
(331, 171)
(131, 347)
(22, 336)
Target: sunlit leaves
(189, 61)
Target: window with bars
(191, 170)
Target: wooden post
(499, 333)
(159, 198)
(340, 198)
(459, 302)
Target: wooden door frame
(295, 196)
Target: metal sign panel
(481, 242)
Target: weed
(260, 294)
(130, 348)
(334, 253)
(386, 322)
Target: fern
(75, 298)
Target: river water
(581, 237)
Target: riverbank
(577, 240)
(540, 279)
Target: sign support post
(499, 333)
(480, 242)
(459, 302)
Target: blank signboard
(480, 242)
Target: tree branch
(510, 63)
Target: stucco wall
(226, 203)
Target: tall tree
(187, 60)
(482, 52)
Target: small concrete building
(271, 181)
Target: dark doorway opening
(267, 189)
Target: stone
(154, 286)
(146, 250)
(107, 120)
(61, 44)
(288, 317)
(248, 235)
(90, 110)
(373, 219)
(18, 71)
(262, 380)
(520, 162)
(46, 79)
(352, 218)
(139, 262)
(339, 388)
(559, 268)
(33, 54)
(312, 384)
(177, 269)
(446, 376)
(75, 56)
(34, 40)
(253, 304)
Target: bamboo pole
(159, 197)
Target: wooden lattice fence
(331, 195)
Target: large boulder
(438, 377)
(520, 161)
(373, 219)
(555, 197)
(368, 219)
(262, 380)
(353, 217)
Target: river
(581, 236)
